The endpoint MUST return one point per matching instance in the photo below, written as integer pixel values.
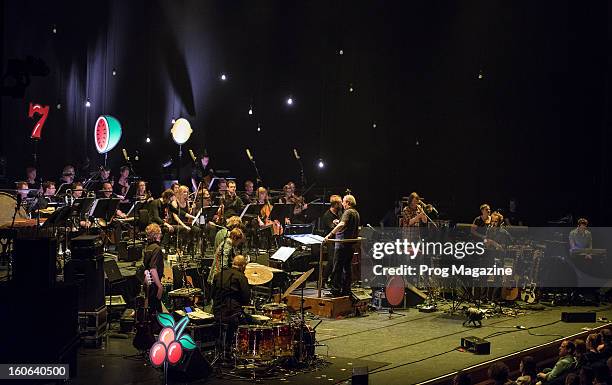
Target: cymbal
(297, 283)
(258, 275)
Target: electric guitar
(528, 293)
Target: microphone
(295, 153)
(125, 155)
(193, 157)
(248, 152)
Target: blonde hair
(153, 232)
(351, 200)
(234, 222)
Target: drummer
(230, 291)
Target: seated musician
(581, 238)
(181, 218)
(248, 196)
(48, 188)
(122, 185)
(154, 262)
(158, 210)
(228, 248)
(105, 175)
(107, 192)
(230, 291)
(142, 192)
(22, 189)
(67, 176)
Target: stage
(408, 348)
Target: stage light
(87, 103)
(251, 111)
(223, 77)
(54, 29)
(173, 121)
(417, 142)
(181, 131)
(114, 72)
(59, 106)
(259, 128)
(341, 52)
(351, 89)
(480, 74)
(321, 164)
(374, 125)
(148, 140)
(290, 101)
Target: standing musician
(329, 220)
(347, 228)
(158, 210)
(232, 204)
(31, 177)
(412, 218)
(154, 262)
(230, 291)
(122, 185)
(248, 196)
(226, 251)
(67, 176)
(201, 173)
(481, 222)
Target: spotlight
(251, 111)
(223, 77)
(87, 103)
(480, 74)
(417, 142)
(341, 52)
(321, 164)
(59, 106)
(173, 121)
(54, 29)
(114, 72)
(374, 125)
(259, 128)
(148, 140)
(289, 101)
(351, 89)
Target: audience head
(572, 379)
(580, 347)
(601, 374)
(593, 341)
(528, 366)
(567, 348)
(499, 372)
(462, 378)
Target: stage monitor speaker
(580, 317)
(192, 367)
(34, 262)
(88, 275)
(414, 296)
(476, 345)
(360, 375)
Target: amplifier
(476, 345)
(567, 316)
(86, 247)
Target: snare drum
(283, 339)
(255, 342)
(276, 311)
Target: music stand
(215, 179)
(251, 210)
(58, 217)
(130, 194)
(209, 212)
(62, 189)
(280, 211)
(104, 208)
(314, 211)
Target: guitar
(528, 293)
(510, 293)
(143, 339)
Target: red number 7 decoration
(43, 111)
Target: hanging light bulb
(148, 139)
(87, 103)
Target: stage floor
(409, 348)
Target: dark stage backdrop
(533, 125)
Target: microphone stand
(259, 180)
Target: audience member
(601, 374)
(528, 371)
(572, 379)
(462, 378)
(565, 363)
(498, 372)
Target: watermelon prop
(107, 133)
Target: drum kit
(274, 335)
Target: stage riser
(323, 307)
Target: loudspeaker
(130, 251)
(34, 262)
(193, 366)
(578, 316)
(360, 375)
(414, 296)
(88, 275)
(86, 246)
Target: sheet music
(283, 253)
(306, 239)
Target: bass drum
(7, 209)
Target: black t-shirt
(232, 206)
(327, 221)
(230, 293)
(481, 225)
(154, 258)
(350, 218)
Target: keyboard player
(581, 238)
